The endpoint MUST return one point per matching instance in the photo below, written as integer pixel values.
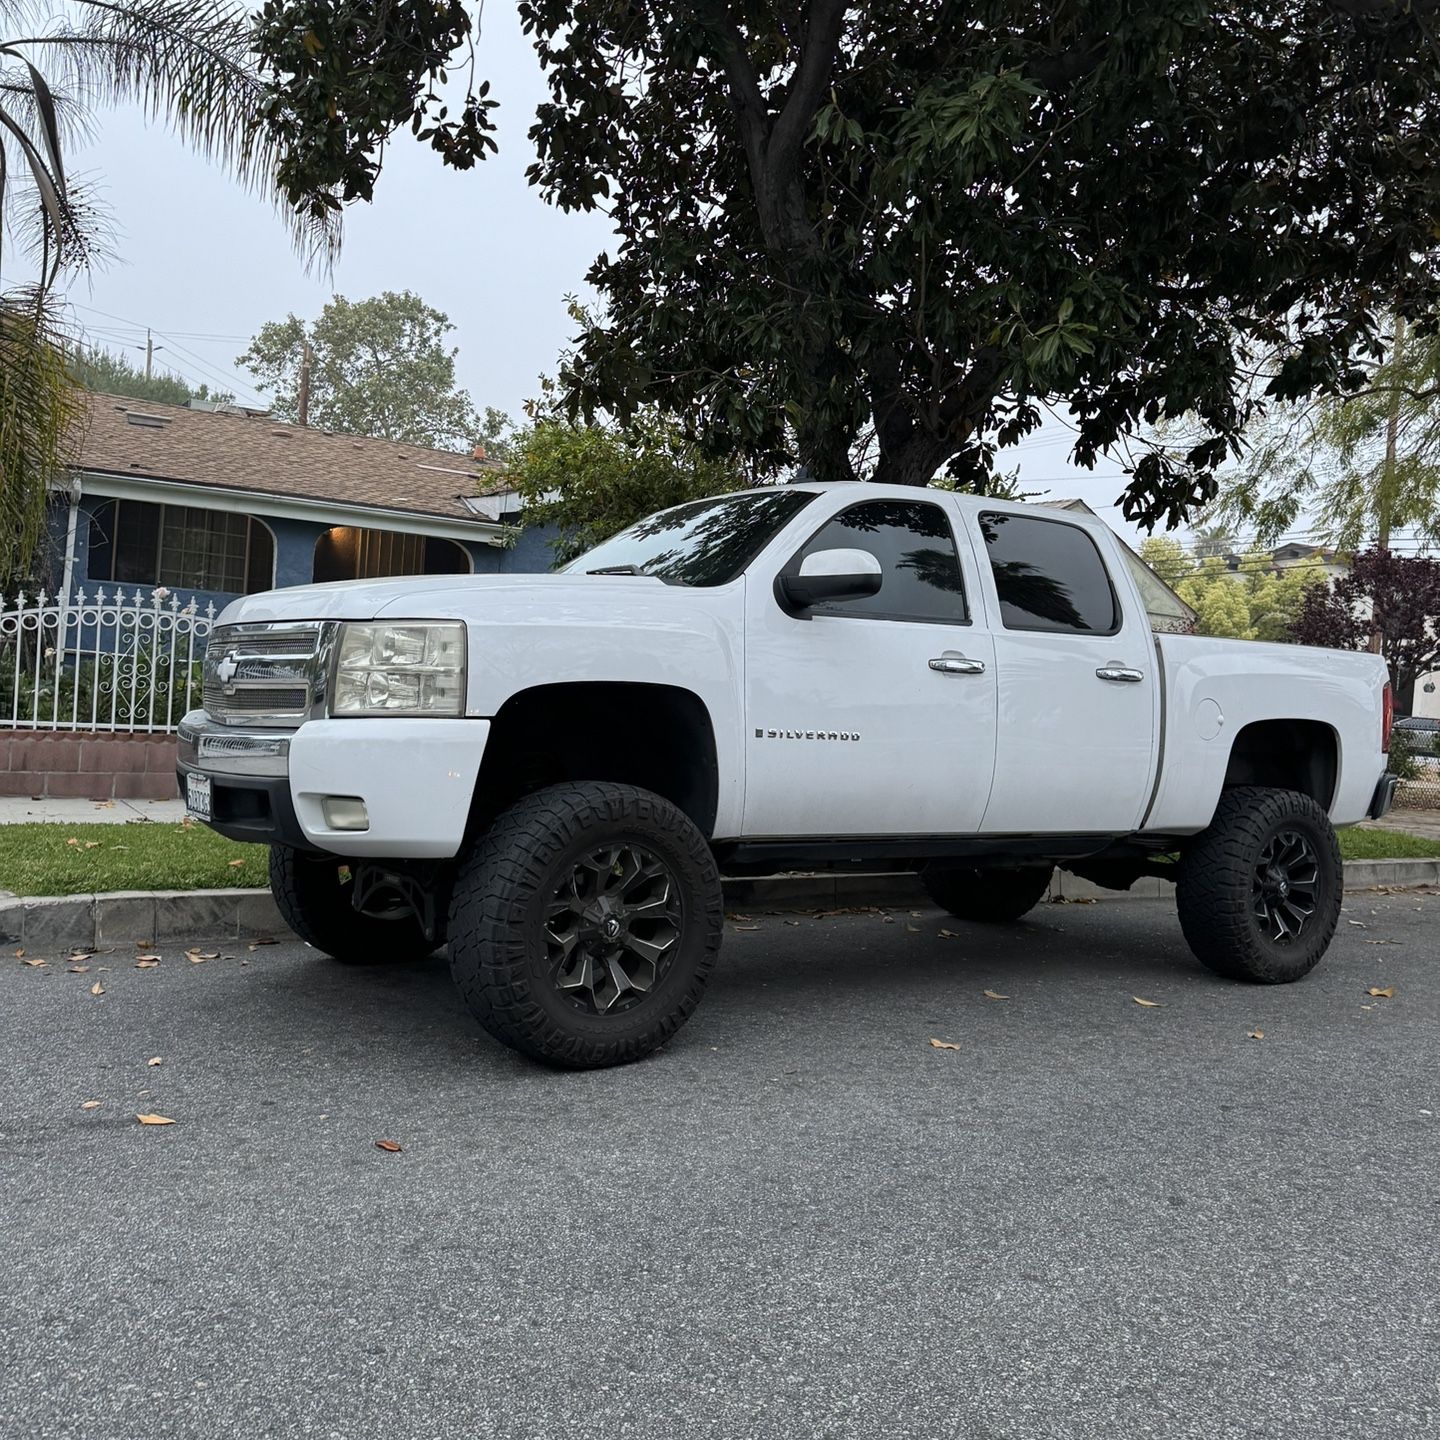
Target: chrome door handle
(1121, 673)
(957, 665)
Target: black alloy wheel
(612, 928)
(1286, 885)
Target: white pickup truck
(550, 773)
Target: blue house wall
(295, 542)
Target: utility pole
(150, 348)
(1385, 507)
(304, 402)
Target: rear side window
(1049, 576)
(915, 546)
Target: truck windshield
(707, 542)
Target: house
(216, 502)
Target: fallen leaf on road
(792, 922)
(256, 944)
(147, 962)
(1359, 924)
(78, 969)
(1384, 994)
(1255, 1034)
(97, 988)
(736, 915)
(991, 995)
(1380, 942)
(913, 929)
(388, 1145)
(32, 962)
(948, 935)
(156, 1060)
(747, 927)
(199, 957)
(154, 1120)
(90, 1105)
(943, 1045)
(1148, 1004)
(20, 954)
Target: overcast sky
(204, 264)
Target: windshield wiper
(617, 570)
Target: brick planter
(64, 765)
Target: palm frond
(187, 64)
(41, 412)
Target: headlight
(409, 669)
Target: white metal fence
(104, 661)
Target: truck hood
(418, 597)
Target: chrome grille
(263, 674)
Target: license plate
(197, 796)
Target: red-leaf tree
(1397, 595)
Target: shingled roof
(236, 450)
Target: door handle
(957, 665)
(1122, 674)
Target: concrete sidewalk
(17, 810)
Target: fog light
(345, 812)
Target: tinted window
(914, 544)
(707, 542)
(1049, 576)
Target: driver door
(875, 715)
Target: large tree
(916, 222)
(1353, 467)
(376, 367)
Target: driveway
(1092, 1219)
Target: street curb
(81, 922)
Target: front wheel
(1259, 890)
(585, 923)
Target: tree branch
(807, 88)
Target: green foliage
(1402, 761)
(40, 411)
(1255, 603)
(591, 481)
(1325, 460)
(917, 223)
(111, 373)
(378, 367)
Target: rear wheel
(585, 923)
(1259, 890)
(987, 894)
(315, 897)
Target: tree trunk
(1385, 500)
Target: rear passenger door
(1078, 691)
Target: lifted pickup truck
(549, 773)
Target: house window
(134, 543)
(349, 553)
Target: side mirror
(830, 575)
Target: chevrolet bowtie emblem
(226, 672)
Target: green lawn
(1385, 845)
(48, 859)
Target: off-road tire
(987, 894)
(1221, 877)
(313, 898)
(501, 952)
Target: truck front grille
(264, 674)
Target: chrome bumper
(216, 749)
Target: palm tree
(185, 61)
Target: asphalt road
(1093, 1219)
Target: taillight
(1387, 718)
